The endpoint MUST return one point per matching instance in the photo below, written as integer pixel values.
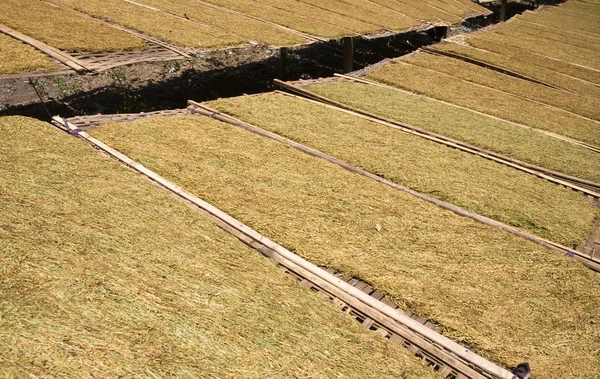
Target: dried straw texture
(526, 145)
(581, 7)
(562, 36)
(487, 42)
(103, 275)
(486, 100)
(418, 10)
(509, 299)
(367, 12)
(583, 106)
(567, 19)
(248, 28)
(522, 66)
(63, 29)
(473, 183)
(320, 14)
(156, 24)
(449, 6)
(16, 57)
(567, 55)
(473, 6)
(284, 17)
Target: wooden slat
(59, 55)
(34, 74)
(94, 121)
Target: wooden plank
(34, 75)
(59, 55)
(378, 295)
(348, 65)
(364, 303)
(585, 259)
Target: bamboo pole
(283, 56)
(571, 182)
(348, 65)
(353, 295)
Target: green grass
(523, 66)
(526, 145)
(251, 29)
(508, 107)
(468, 181)
(63, 29)
(16, 57)
(583, 106)
(104, 275)
(157, 24)
(464, 275)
